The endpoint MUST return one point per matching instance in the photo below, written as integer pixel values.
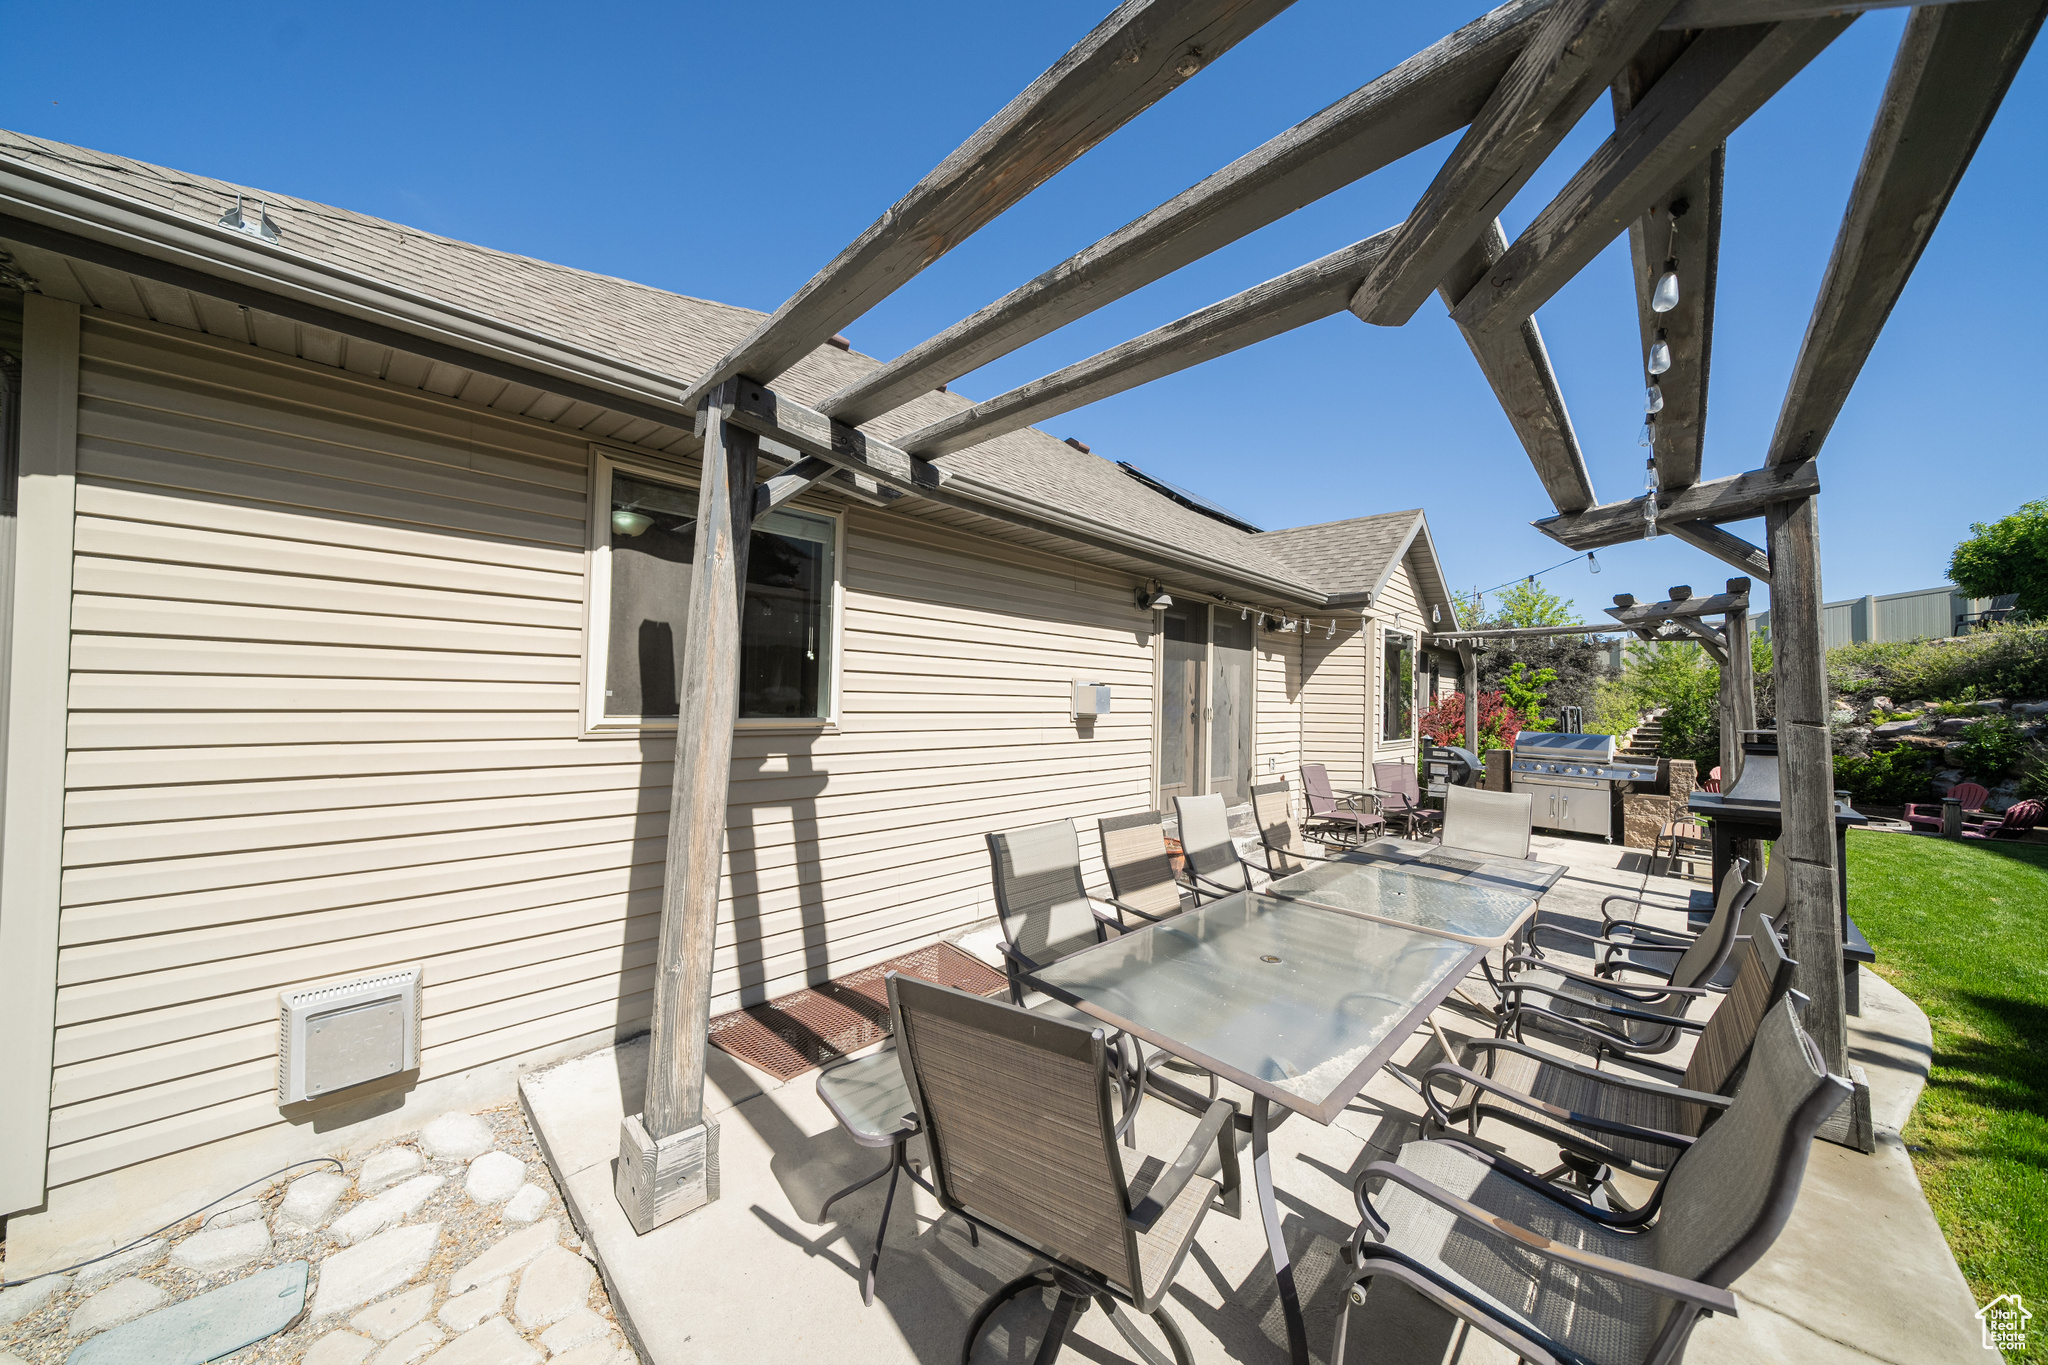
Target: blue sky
(729, 151)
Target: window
(639, 602)
(1397, 688)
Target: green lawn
(1963, 930)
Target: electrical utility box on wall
(1091, 699)
(345, 1033)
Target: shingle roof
(680, 336)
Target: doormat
(793, 1033)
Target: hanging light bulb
(1650, 499)
(1591, 562)
(1665, 297)
(1660, 354)
(1653, 399)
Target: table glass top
(1519, 875)
(1471, 907)
(1299, 1002)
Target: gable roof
(1354, 559)
(663, 338)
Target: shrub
(1891, 778)
(1682, 680)
(1614, 712)
(1999, 661)
(1990, 747)
(1525, 693)
(2034, 772)
(1499, 723)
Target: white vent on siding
(333, 1036)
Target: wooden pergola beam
(1429, 96)
(1737, 498)
(1517, 366)
(1133, 58)
(1680, 611)
(1525, 633)
(1308, 294)
(1954, 65)
(1574, 53)
(1722, 13)
(1720, 79)
(1725, 546)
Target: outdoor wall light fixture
(1154, 598)
(1660, 354)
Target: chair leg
(867, 1286)
(1037, 1279)
(1145, 1349)
(1065, 1309)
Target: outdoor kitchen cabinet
(1576, 807)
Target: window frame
(1414, 712)
(604, 462)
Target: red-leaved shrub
(1499, 723)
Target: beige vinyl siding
(1397, 597)
(1277, 733)
(1334, 689)
(324, 719)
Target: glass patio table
(1472, 909)
(1464, 866)
(1298, 1002)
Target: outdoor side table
(872, 1102)
(1297, 1002)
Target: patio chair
(1045, 909)
(1214, 864)
(1481, 821)
(1333, 818)
(1017, 1118)
(1682, 840)
(1286, 851)
(2018, 819)
(1628, 1018)
(1556, 1279)
(1134, 856)
(1605, 1118)
(1924, 816)
(1400, 796)
(1632, 944)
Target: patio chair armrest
(1216, 888)
(1658, 1282)
(1609, 1078)
(1540, 927)
(1215, 1127)
(1674, 938)
(1592, 1122)
(1642, 995)
(1024, 963)
(1125, 907)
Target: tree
(2007, 556)
(1531, 604)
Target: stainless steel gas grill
(1576, 780)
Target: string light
(1650, 499)
(1665, 297)
(1660, 354)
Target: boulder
(494, 1177)
(1952, 725)
(1894, 729)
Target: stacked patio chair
(1140, 872)
(1018, 1119)
(1610, 1015)
(1683, 840)
(2019, 819)
(1400, 797)
(1605, 1118)
(1215, 867)
(1972, 797)
(1479, 821)
(1334, 818)
(1553, 1277)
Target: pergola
(1682, 76)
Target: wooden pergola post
(668, 1155)
(1807, 799)
(1738, 686)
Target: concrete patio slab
(759, 1274)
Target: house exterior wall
(1396, 607)
(325, 718)
(1336, 686)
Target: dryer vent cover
(334, 1036)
